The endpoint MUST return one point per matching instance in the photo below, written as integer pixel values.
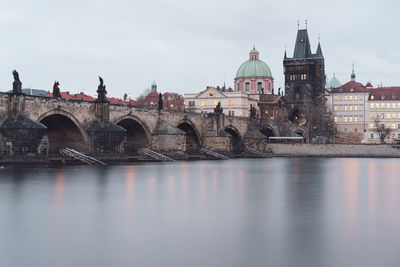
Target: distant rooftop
(34, 92)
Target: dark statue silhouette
(56, 90)
(101, 92)
(160, 102)
(218, 108)
(253, 112)
(17, 85)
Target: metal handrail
(212, 153)
(153, 154)
(69, 152)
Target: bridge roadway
(32, 126)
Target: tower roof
(302, 47)
(319, 51)
(333, 83)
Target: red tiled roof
(153, 94)
(385, 93)
(116, 101)
(351, 87)
(368, 84)
(82, 96)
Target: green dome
(253, 68)
(333, 83)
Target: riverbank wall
(334, 150)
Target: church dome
(254, 67)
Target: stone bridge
(40, 126)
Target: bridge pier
(105, 138)
(168, 139)
(253, 138)
(20, 137)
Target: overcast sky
(186, 45)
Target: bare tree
(381, 130)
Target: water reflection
(274, 212)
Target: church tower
(305, 87)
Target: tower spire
(353, 75)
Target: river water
(247, 212)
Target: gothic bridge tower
(305, 88)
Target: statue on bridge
(160, 102)
(218, 109)
(17, 84)
(253, 112)
(56, 90)
(101, 92)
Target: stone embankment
(334, 150)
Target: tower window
(247, 86)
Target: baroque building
(305, 103)
(254, 76)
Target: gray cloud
(186, 45)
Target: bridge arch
(138, 134)
(193, 140)
(268, 131)
(64, 130)
(237, 141)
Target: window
(372, 97)
(371, 126)
(345, 108)
(351, 107)
(383, 105)
(231, 103)
(247, 86)
(335, 108)
(356, 119)
(372, 105)
(336, 98)
(387, 115)
(237, 87)
(382, 115)
(215, 102)
(398, 105)
(303, 77)
(372, 116)
(394, 116)
(204, 103)
(345, 119)
(336, 120)
(355, 130)
(372, 136)
(351, 97)
(259, 87)
(350, 119)
(345, 97)
(393, 105)
(393, 126)
(356, 97)
(387, 126)
(387, 105)
(192, 103)
(377, 105)
(355, 107)
(398, 126)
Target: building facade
(233, 103)
(383, 107)
(349, 111)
